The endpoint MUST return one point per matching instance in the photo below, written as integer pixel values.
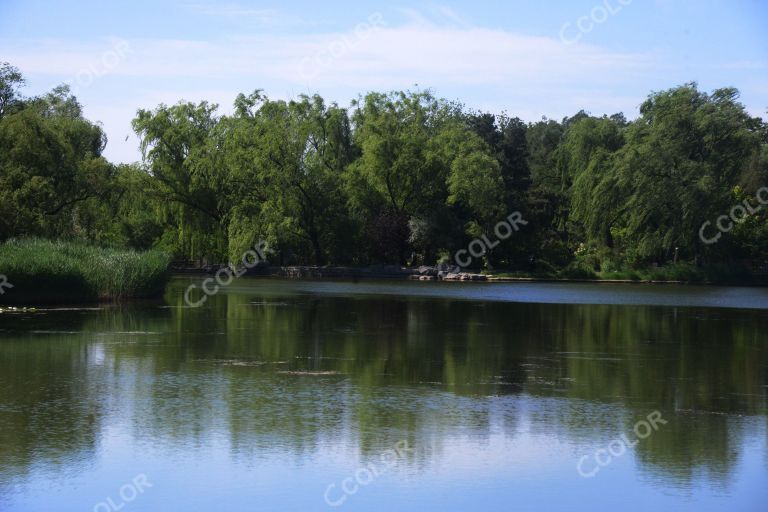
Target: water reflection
(265, 371)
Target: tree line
(399, 177)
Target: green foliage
(400, 177)
(10, 83)
(55, 271)
(577, 270)
(50, 167)
(295, 154)
(421, 161)
(180, 146)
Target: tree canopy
(399, 177)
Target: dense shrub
(51, 271)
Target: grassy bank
(55, 271)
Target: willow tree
(598, 197)
(682, 159)
(422, 174)
(11, 81)
(395, 179)
(474, 180)
(50, 167)
(294, 153)
(180, 146)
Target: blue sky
(530, 59)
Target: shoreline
(30, 304)
(393, 272)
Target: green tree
(295, 153)
(50, 167)
(181, 147)
(682, 159)
(11, 81)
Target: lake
(280, 395)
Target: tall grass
(51, 271)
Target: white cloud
(745, 64)
(481, 64)
(413, 52)
(233, 10)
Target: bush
(578, 270)
(728, 274)
(623, 274)
(684, 272)
(543, 268)
(57, 271)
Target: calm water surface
(290, 395)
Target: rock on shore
(444, 272)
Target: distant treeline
(399, 177)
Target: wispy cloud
(436, 15)
(233, 10)
(489, 68)
(386, 58)
(745, 64)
